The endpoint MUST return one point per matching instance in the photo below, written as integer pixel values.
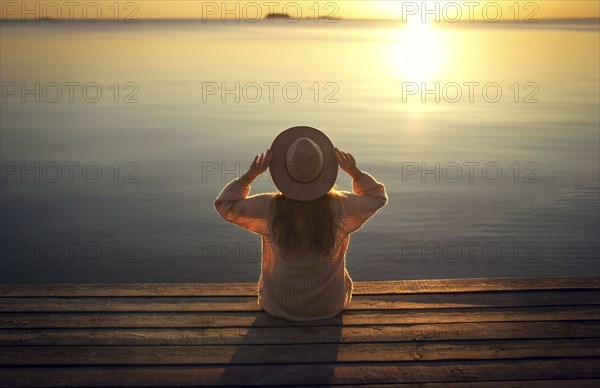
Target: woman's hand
(259, 165)
(347, 163)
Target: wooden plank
(259, 319)
(302, 353)
(250, 289)
(479, 284)
(359, 302)
(583, 383)
(302, 334)
(324, 373)
(139, 304)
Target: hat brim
(285, 183)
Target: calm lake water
(112, 174)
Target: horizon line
(331, 20)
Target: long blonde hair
(305, 226)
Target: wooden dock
(523, 332)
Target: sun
(417, 52)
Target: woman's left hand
(259, 165)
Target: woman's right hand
(259, 165)
(347, 163)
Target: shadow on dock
(274, 350)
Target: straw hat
(303, 165)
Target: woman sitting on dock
(306, 225)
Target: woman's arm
(368, 197)
(234, 204)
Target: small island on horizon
(279, 15)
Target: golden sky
(349, 9)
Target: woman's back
(304, 285)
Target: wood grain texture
(251, 289)
(300, 353)
(250, 303)
(307, 374)
(262, 319)
(301, 334)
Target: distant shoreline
(282, 16)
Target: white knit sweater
(309, 287)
